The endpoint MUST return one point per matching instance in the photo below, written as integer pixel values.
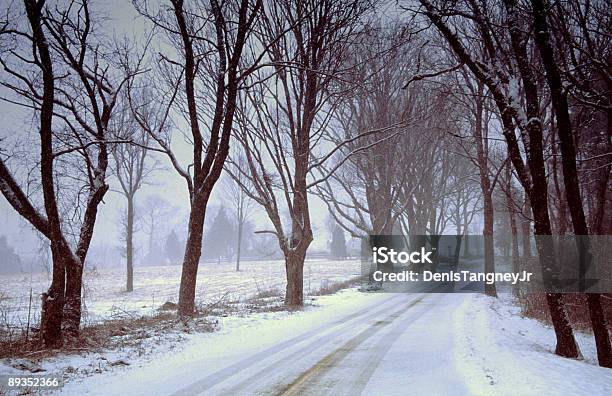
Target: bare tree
(428, 185)
(364, 190)
(58, 68)
(131, 167)
(579, 35)
(511, 207)
(204, 84)
(473, 97)
(570, 174)
(282, 119)
(464, 203)
(241, 204)
(491, 68)
(156, 214)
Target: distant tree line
(9, 260)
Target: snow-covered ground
(502, 353)
(359, 343)
(105, 296)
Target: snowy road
(348, 356)
(371, 344)
(382, 344)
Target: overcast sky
(166, 183)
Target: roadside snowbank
(499, 352)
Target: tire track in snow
(246, 385)
(383, 347)
(308, 380)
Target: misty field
(104, 294)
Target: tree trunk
(600, 329)
(537, 189)
(53, 302)
(526, 228)
(72, 304)
(513, 231)
(417, 241)
(538, 198)
(239, 247)
(150, 254)
(466, 247)
(380, 215)
(435, 247)
(458, 240)
(515, 247)
(566, 344)
(294, 269)
(489, 253)
(487, 192)
(562, 204)
(129, 235)
(600, 223)
(191, 260)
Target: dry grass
(534, 306)
(110, 335)
(331, 288)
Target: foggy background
(164, 185)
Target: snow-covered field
(105, 296)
